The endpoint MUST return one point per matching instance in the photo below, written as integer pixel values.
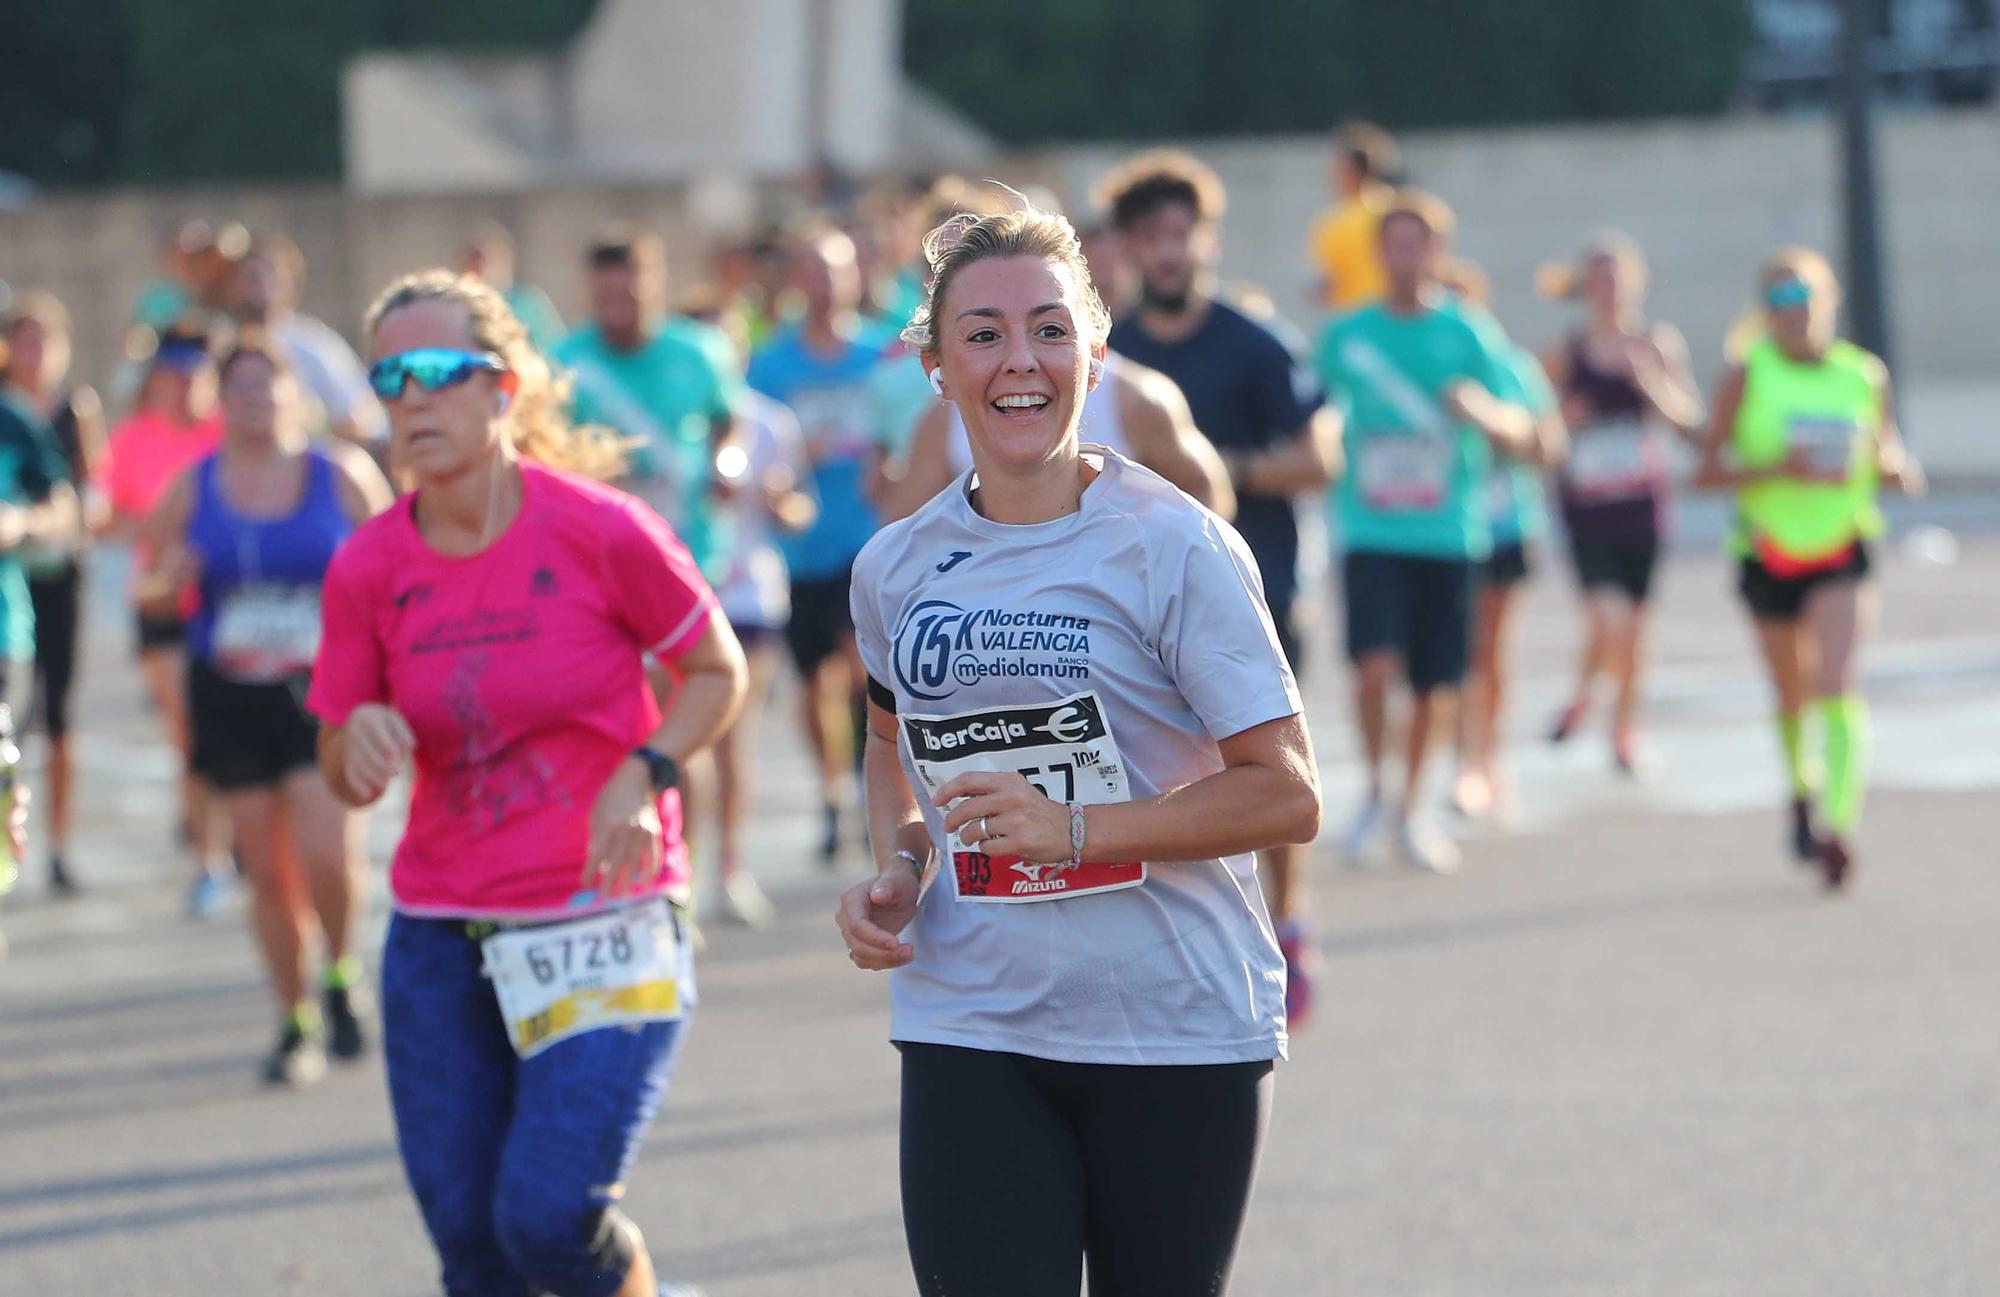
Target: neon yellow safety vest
(1834, 410)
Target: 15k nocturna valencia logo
(941, 647)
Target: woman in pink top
(174, 426)
(487, 634)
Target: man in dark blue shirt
(1252, 398)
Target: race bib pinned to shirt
(1614, 460)
(835, 421)
(619, 968)
(1067, 751)
(1403, 472)
(1829, 443)
(266, 633)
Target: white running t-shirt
(1102, 654)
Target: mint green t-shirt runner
(1416, 480)
(663, 396)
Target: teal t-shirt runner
(1515, 500)
(30, 467)
(663, 396)
(1416, 480)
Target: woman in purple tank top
(253, 527)
(1626, 391)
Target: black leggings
(58, 601)
(1015, 1169)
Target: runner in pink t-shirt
(490, 634)
(519, 671)
(148, 451)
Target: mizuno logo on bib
(1065, 749)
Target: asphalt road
(1630, 1050)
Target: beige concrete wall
(1706, 199)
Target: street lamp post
(1868, 309)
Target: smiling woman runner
(1804, 433)
(488, 633)
(1078, 701)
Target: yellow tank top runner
(1833, 410)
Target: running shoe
(1360, 838)
(743, 901)
(1805, 842)
(206, 897)
(1472, 795)
(347, 1009)
(1301, 960)
(1569, 721)
(1631, 758)
(296, 1060)
(1835, 861)
(61, 881)
(1422, 846)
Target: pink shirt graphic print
(520, 670)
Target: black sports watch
(664, 770)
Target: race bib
(609, 970)
(1403, 472)
(1829, 443)
(1066, 750)
(266, 633)
(835, 421)
(1612, 461)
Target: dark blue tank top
(263, 561)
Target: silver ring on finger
(984, 832)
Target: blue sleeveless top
(260, 577)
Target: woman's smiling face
(1014, 353)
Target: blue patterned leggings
(516, 1164)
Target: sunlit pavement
(1631, 1049)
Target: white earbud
(937, 383)
(1096, 370)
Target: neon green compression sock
(343, 973)
(1792, 738)
(1846, 717)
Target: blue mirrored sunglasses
(1787, 293)
(434, 368)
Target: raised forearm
(1243, 808)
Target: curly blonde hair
(540, 407)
